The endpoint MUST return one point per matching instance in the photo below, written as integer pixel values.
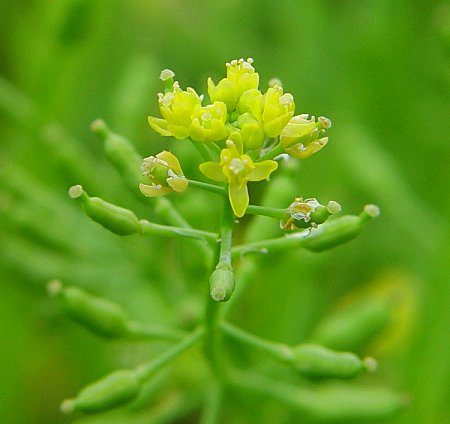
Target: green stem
(278, 350)
(150, 228)
(277, 150)
(212, 188)
(145, 371)
(139, 331)
(226, 235)
(206, 154)
(213, 350)
(264, 211)
(213, 403)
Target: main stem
(213, 314)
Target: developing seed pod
(316, 361)
(121, 153)
(339, 403)
(99, 315)
(116, 389)
(222, 283)
(355, 326)
(114, 218)
(339, 231)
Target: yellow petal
(178, 184)
(159, 125)
(262, 170)
(212, 170)
(301, 152)
(171, 161)
(154, 190)
(238, 194)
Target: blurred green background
(379, 69)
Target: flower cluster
(249, 128)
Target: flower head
(176, 108)
(237, 169)
(241, 76)
(165, 173)
(302, 135)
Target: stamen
(166, 74)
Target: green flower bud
(320, 362)
(222, 283)
(114, 218)
(99, 315)
(339, 231)
(116, 389)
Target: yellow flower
(300, 137)
(208, 122)
(241, 76)
(165, 173)
(278, 110)
(237, 169)
(176, 108)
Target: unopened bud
(222, 283)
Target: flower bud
(114, 218)
(165, 173)
(222, 283)
(116, 389)
(99, 315)
(316, 361)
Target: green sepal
(114, 218)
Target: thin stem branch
(278, 350)
(150, 228)
(211, 188)
(139, 331)
(277, 150)
(145, 371)
(264, 211)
